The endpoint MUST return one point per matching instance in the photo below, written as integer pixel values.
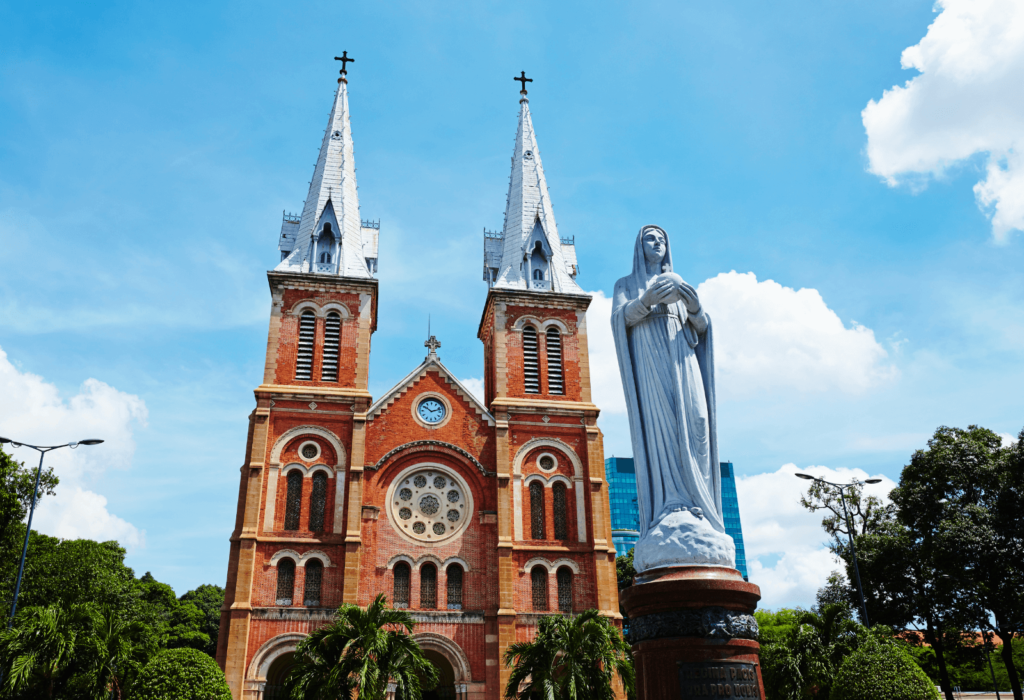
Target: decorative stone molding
(294, 614)
(449, 649)
(714, 622)
(448, 617)
(430, 445)
(289, 435)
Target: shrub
(881, 669)
(181, 674)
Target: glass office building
(731, 511)
(621, 475)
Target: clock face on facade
(431, 411)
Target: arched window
(538, 275)
(332, 334)
(539, 583)
(537, 511)
(314, 580)
(285, 581)
(428, 587)
(318, 502)
(293, 500)
(325, 244)
(556, 385)
(531, 370)
(559, 511)
(454, 575)
(325, 257)
(539, 264)
(401, 592)
(307, 335)
(565, 589)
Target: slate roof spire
(329, 237)
(529, 254)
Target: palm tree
(571, 658)
(38, 653)
(359, 654)
(120, 653)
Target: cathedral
(480, 515)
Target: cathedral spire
(529, 254)
(329, 238)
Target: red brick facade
(324, 447)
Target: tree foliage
(881, 668)
(358, 654)
(181, 674)
(571, 658)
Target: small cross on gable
(432, 344)
(523, 80)
(345, 60)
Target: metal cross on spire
(345, 60)
(523, 80)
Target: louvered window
(314, 581)
(454, 573)
(556, 385)
(332, 334)
(401, 592)
(318, 502)
(428, 587)
(531, 371)
(539, 582)
(559, 511)
(537, 511)
(307, 336)
(285, 581)
(293, 500)
(565, 590)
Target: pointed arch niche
(577, 484)
(337, 471)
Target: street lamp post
(42, 450)
(849, 530)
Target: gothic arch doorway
(451, 663)
(445, 689)
(278, 671)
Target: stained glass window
(565, 589)
(531, 371)
(304, 357)
(428, 587)
(558, 506)
(554, 347)
(314, 579)
(285, 581)
(401, 592)
(537, 511)
(539, 581)
(318, 502)
(454, 587)
(293, 500)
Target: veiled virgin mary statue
(666, 358)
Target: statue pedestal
(693, 634)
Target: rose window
(415, 504)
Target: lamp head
(94, 441)
(4, 441)
(804, 476)
(873, 481)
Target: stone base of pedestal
(693, 634)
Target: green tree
(571, 658)
(122, 649)
(208, 599)
(359, 653)
(881, 668)
(624, 570)
(43, 650)
(180, 674)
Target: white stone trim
(291, 434)
(559, 478)
(517, 488)
(402, 557)
(282, 553)
(528, 566)
(320, 468)
(541, 325)
(300, 559)
(398, 390)
(429, 558)
(315, 444)
(551, 566)
(581, 511)
(269, 652)
(530, 445)
(271, 502)
(542, 469)
(517, 504)
(301, 306)
(457, 560)
(536, 477)
(316, 554)
(293, 467)
(336, 306)
(559, 563)
(448, 649)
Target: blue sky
(148, 150)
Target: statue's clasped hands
(669, 288)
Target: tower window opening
(307, 336)
(560, 514)
(325, 257)
(314, 580)
(537, 511)
(293, 500)
(401, 588)
(332, 338)
(318, 502)
(539, 584)
(454, 575)
(538, 275)
(556, 383)
(564, 577)
(285, 581)
(531, 368)
(428, 587)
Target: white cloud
(33, 411)
(1008, 439)
(774, 338)
(967, 100)
(605, 382)
(786, 548)
(475, 386)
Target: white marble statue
(666, 359)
